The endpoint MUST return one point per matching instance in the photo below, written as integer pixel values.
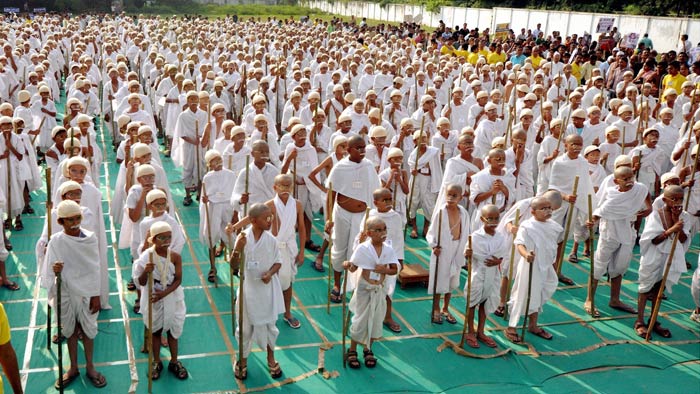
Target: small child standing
(448, 245)
(488, 250)
(646, 161)
(535, 246)
(376, 258)
(217, 187)
(655, 246)
(610, 149)
(395, 179)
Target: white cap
(590, 149)
(211, 155)
(377, 132)
(394, 152)
(68, 209)
(145, 169)
(155, 194)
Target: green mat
(583, 356)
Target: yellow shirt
(536, 61)
(461, 53)
(576, 71)
(670, 81)
(495, 58)
(4, 333)
(484, 52)
(445, 50)
(472, 58)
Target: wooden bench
(413, 273)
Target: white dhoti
(537, 236)
(485, 281)
(451, 259)
(168, 313)
(346, 226)
(368, 306)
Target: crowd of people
(509, 147)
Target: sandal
(336, 298)
(10, 285)
(8, 245)
(293, 322)
(211, 277)
(414, 234)
(318, 265)
(641, 329)
(156, 368)
(393, 326)
(662, 331)
(351, 357)
(137, 306)
(55, 339)
(370, 360)
(310, 245)
(18, 225)
(470, 339)
(131, 286)
(240, 373)
(449, 318)
(275, 370)
(542, 334)
(487, 340)
(573, 259)
(187, 201)
(178, 370)
(500, 311)
(66, 380)
(98, 380)
(593, 313)
(513, 337)
(437, 319)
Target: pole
(413, 180)
(510, 267)
(247, 171)
(569, 215)
(241, 273)
(48, 232)
(329, 210)
(692, 176)
(659, 295)
(58, 323)
(469, 294)
(527, 302)
(196, 148)
(212, 257)
(591, 233)
(437, 261)
(149, 330)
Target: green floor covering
(586, 355)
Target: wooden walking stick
(569, 216)
(41, 125)
(591, 250)
(149, 330)
(527, 302)
(469, 294)
(413, 180)
(692, 176)
(624, 129)
(329, 209)
(212, 256)
(247, 171)
(241, 273)
(510, 267)
(9, 180)
(660, 294)
(48, 232)
(196, 148)
(294, 169)
(437, 260)
(58, 328)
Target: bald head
(355, 141)
(574, 138)
(381, 193)
(259, 146)
(538, 202)
(672, 191)
(489, 209)
(623, 172)
(454, 187)
(258, 210)
(554, 197)
(375, 223)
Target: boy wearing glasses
(661, 227)
(376, 259)
(534, 245)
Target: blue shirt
(515, 59)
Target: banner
(502, 31)
(9, 10)
(631, 40)
(605, 24)
(40, 10)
